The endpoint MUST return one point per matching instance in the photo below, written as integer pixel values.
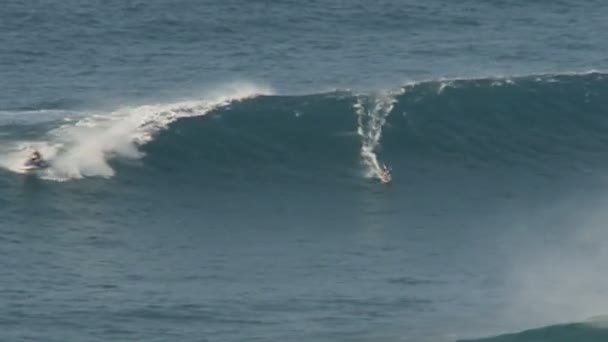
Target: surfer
(36, 157)
(36, 160)
(385, 176)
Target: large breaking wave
(535, 122)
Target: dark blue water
(215, 171)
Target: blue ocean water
(215, 170)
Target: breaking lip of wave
(502, 77)
(83, 147)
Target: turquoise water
(215, 171)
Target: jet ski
(35, 163)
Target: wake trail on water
(372, 112)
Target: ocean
(215, 170)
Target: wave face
(527, 121)
(552, 123)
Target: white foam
(83, 148)
(443, 85)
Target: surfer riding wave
(385, 174)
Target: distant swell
(583, 332)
